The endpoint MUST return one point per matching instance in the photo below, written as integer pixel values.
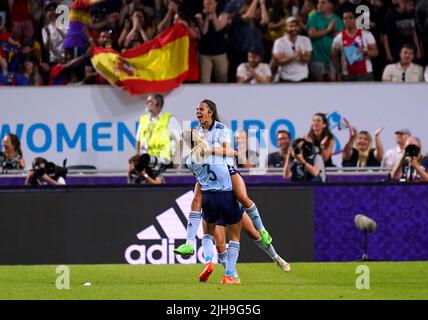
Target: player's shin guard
(208, 246)
(232, 257)
(254, 215)
(270, 250)
(193, 226)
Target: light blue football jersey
(216, 136)
(211, 176)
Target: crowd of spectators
(245, 41)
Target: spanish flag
(159, 65)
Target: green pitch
(404, 280)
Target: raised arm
(379, 146)
(286, 171)
(347, 152)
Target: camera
(307, 149)
(151, 164)
(412, 150)
(41, 167)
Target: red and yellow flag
(158, 65)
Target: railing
(348, 171)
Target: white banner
(97, 125)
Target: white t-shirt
(262, 69)
(392, 157)
(367, 39)
(296, 70)
(426, 74)
(394, 73)
(50, 31)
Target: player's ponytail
(212, 106)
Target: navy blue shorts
(221, 205)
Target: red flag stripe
(136, 86)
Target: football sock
(254, 215)
(192, 226)
(223, 258)
(232, 257)
(270, 250)
(207, 247)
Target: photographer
(141, 171)
(11, 158)
(45, 173)
(413, 165)
(303, 163)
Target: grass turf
(388, 280)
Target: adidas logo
(158, 249)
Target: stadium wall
(143, 225)
(96, 125)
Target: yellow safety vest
(156, 135)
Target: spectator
(352, 51)
(322, 27)
(307, 166)
(61, 73)
(404, 70)
(213, 44)
(359, 152)
(421, 13)
(5, 20)
(308, 9)
(411, 167)
(104, 39)
(39, 175)
(254, 70)
(292, 53)
(278, 12)
(394, 155)
(352, 5)
(22, 23)
(11, 158)
(158, 132)
(138, 31)
(27, 49)
(246, 32)
(105, 15)
(76, 41)
(277, 159)
(399, 29)
(3, 68)
(377, 16)
(247, 158)
(53, 37)
(29, 74)
(137, 175)
(322, 138)
(168, 19)
(194, 35)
